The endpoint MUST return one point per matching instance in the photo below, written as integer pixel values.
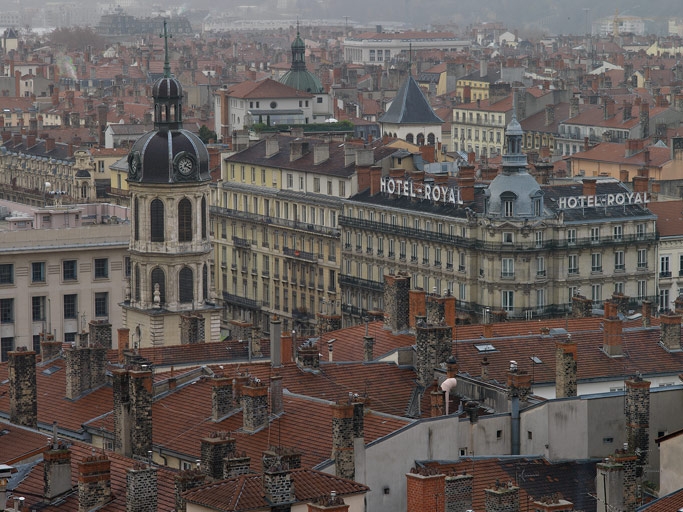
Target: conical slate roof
(410, 107)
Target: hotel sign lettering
(430, 192)
(602, 200)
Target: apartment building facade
(275, 225)
(510, 248)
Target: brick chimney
(590, 186)
(308, 356)
(49, 144)
(375, 180)
(94, 482)
(627, 110)
(552, 503)
(396, 302)
(565, 368)
(425, 491)
(368, 347)
(85, 369)
(281, 455)
(458, 491)
(640, 184)
(549, 114)
(582, 307)
(23, 408)
(254, 406)
(670, 331)
(221, 398)
(637, 410)
(214, 449)
(141, 489)
(433, 347)
(133, 396)
(613, 331)
(56, 467)
(342, 440)
(278, 486)
(502, 498)
(184, 481)
(417, 305)
(100, 333)
(647, 313)
(236, 464)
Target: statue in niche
(157, 295)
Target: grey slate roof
(410, 107)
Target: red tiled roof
(246, 492)
(669, 217)
(669, 503)
(32, 486)
(267, 88)
(615, 152)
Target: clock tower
(170, 296)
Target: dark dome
(156, 156)
(167, 88)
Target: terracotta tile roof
(669, 503)
(669, 217)
(615, 152)
(246, 492)
(32, 486)
(267, 88)
(52, 404)
(182, 418)
(595, 117)
(535, 477)
(503, 105)
(18, 443)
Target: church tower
(169, 300)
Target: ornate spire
(167, 65)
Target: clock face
(185, 166)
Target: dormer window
(507, 200)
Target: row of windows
(479, 117)
(158, 220)
(467, 135)
(158, 284)
(39, 307)
(281, 209)
(69, 270)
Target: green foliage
(342, 126)
(207, 134)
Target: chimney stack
(458, 490)
(342, 440)
(278, 486)
(417, 305)
(275, 342)
(94, 482)
(221, 398)
(670, 331)
(396, 302)
(272, 146)
(56, 467)
(565, 368)
(276, 399)
(254, 406)
(612, 334)
(133, 396)
(214, 449)
(331, 503)
(647, 313)
(85, 369)
(141, 489)
(321, 153)
(184, 481)
(433, 347)
(502, 498)
(22, 388)
(637, 410)
(425, 490)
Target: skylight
(51, 370)
(485, 347)
(536, 359)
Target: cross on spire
(167, 65)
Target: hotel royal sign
(602, 200)
(430, 192)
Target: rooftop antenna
(167, 65)
(410, 59)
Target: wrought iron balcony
(237, 300)
(302, 255)
(265, 219)
(241, 242)
(357, 282)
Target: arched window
(158, 277)
(205, 282)
(136, 284)
(420, 139)
(431, 139)
(156, 214)
(410, 138)
(136, 219)
(185, 285)
(184, 220)
(204, 218)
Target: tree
(206, 134)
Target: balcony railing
(357, 282)
(302, 255)
(354, 310)
(265, 219)
(470, 243)
(241, 242)
(665, 273)
(236, 300)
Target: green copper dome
(298, 76)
